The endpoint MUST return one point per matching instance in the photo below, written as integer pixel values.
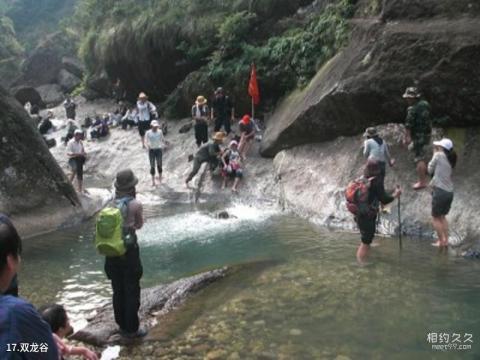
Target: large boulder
(68, 81)
(26, 94)
(73, 66)
(362, 85)
(40, 68)
(33, 188)
(51, 94)
(98, 84)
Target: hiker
(70, 107)
(210, 153)
(200, 120)
(232, 168)
(365, 206)
(56, 317)
(77, 156)
(222, 111)
(130, 118)
(375, 148)
(20, 322)
(125, 271)
(116, 118)
(440, 167)
(146, 112)
(418, 132)
(155, 144)
(45, 126)
(247, 134)
(71, 127)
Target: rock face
(68, 81)
(317, 190)
(31, 182)
(51, 94)
(73, 66)
(362, 85)
(26, 94)
(40, 68)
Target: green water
(316, 302)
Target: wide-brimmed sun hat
(200, 100)
(125, 180)
(411, 93)
(445, 143)
(218, 136)
(154, 123)
(371, 132)
(142, 95)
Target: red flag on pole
(253, 86)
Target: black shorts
(441, 202)
(143, 127)
(76, 164)
(367, 226)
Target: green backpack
(110, 234)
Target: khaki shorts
(421, 152)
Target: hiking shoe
(137, 334)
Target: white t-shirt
(74, 147)
(155, 139)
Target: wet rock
(160, 300)
(100, 84)
(40, 68)
(186, 128)
(295, 332)
(67, 80)
(216, 355)
(51, 94)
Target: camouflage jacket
(419, 122)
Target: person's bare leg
(143, 141)
(422, 175)
(362, 252)
(159, 178)
(437, 225)
(80, 185)
(445, 230)
(224, 184)
(153, 180)
(235, 184)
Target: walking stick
(399, 224)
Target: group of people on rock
(417, 138)
(230, 159)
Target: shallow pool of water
(315, 302)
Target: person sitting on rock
(247, 134)
(70, 107)
(440, 167)
(232, 167)
(116, 118)
(367, 219)
(418, 127)
(77, 156)
(210, 153)
(146, 112)
(56, 316)
(126, 271)
(375, 148)
(200, 120)
(46, 125)
(130, 119)
(99, 128)
(20, 322)
(155, 144)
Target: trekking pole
(399, 224)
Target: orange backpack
(356, 195)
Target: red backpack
(356, 195)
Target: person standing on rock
(418, 126)
(20, 322)
(155, 144)
(222, 111)
(200, 120)
(247, 134)
(375, 148)
(70, 107)
(440, 167)
(76, 158)
(126, 271)
(207, 153)
(366, 217)
(146, 112)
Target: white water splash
(199, 226)
(111, 353)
